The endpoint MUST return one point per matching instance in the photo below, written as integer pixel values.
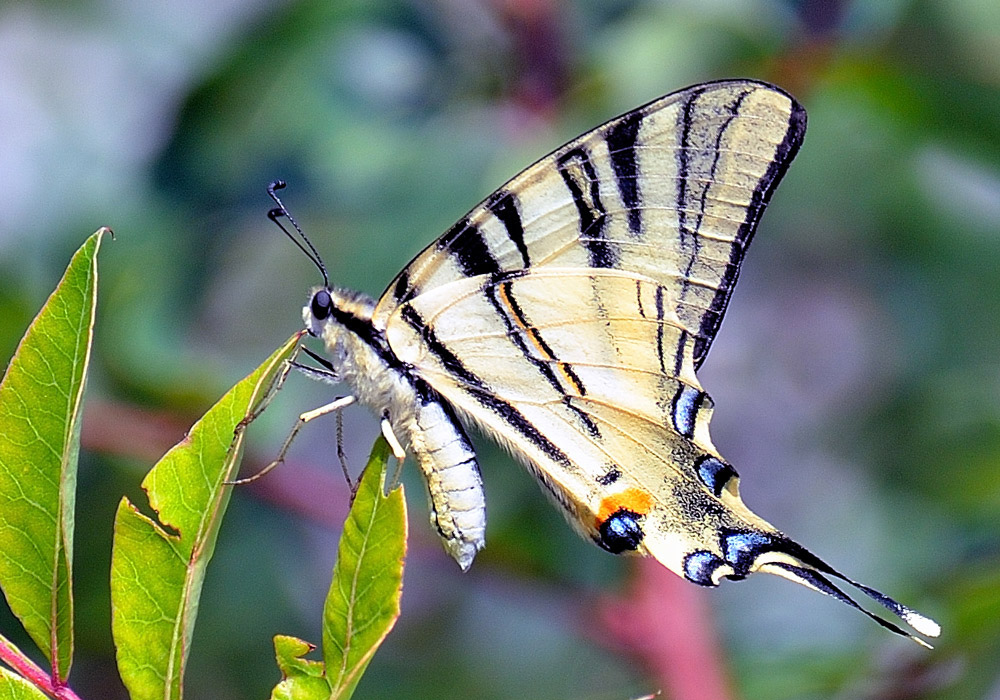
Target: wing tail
(811, 578)
(750, 548)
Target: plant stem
(28, 669)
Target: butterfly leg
(397, 449)
(272, 390)
(335, 405)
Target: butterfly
(566, 316)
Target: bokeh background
(856, 377)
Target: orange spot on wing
(635, 500)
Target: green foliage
(40, 403)
(301, 678)
(363, 603)
(158, 565)
(13, 687)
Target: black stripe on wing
(783, 156)
(621, 138)
(466, 243)
(479, 389)
(689, 234)
(507, 210)
(578, 172)
(529, 341)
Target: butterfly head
(319, 309)
(342, 319)
(333, 307)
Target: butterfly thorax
(358, 350)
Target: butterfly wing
(568, 312)
(582, 373)
(589, 379)
(671, 191)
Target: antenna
(280, 211)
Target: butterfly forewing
(671, 191)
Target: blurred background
(856, 376)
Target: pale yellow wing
(671, 191)
(588, 378)
(591, 380)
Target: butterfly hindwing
(590, 381)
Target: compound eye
(321, 305)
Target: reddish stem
(28, 669)
(666, 622)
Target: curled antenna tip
(303, 242)
(923, 625)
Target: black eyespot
(321, 305)
(621, 532)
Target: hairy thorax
(360, 354)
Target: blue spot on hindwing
(621, 532)
(699, 567)
(714, 473)
(742, 547)
(685, 410)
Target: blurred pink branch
(666, 623)
(128, 430)
(134, 432)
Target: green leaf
(40, 401)
(157, 568)
(13, 687)
(363, 603)
(301, 678)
